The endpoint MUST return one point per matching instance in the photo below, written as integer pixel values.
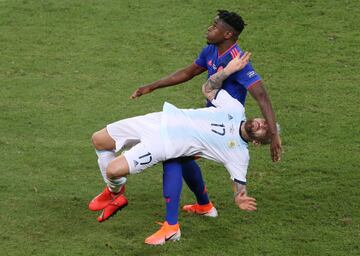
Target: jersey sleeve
(247, 76)
(201, 59)
(237, 168)
(224, 100)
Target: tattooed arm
(213, 84)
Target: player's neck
(224, 46)
(242, 132)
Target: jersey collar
(229, 49)
(242, 122)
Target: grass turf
(67, 68)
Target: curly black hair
(233, 19)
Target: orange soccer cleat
(113, 207)
(165, 233)
(206, 210)
(104, 199)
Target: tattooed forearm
(215, 81)
(238, 188)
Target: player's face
(216, 32)
(257, 128)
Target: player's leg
(123, 133)
(192, 175)
(117, 136)
(107, 142)
(172, 185)
(135, 160)
(105, 150)
(115, 171)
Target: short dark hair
(233, 19)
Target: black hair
(233, 19)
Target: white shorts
(142, 134)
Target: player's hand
(245, 202)
(141, 91)
(275, 148)
(237, 63)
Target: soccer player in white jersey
(219, 133)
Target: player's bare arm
(258, 92)
(214, 83)
(175, 78)
(243, 201)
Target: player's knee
(102, 141)
(96, 140)
(117, 168)
(112, 171)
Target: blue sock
(192, 175)
(172, 185)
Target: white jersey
(212, 133)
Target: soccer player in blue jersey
(222, 46)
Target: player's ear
(228, 34)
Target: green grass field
(67, 68)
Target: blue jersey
(236, 84)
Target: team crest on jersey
(230, 117)
(232, 144)
(211, 64)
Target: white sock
(104, 158)
(116, 184)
